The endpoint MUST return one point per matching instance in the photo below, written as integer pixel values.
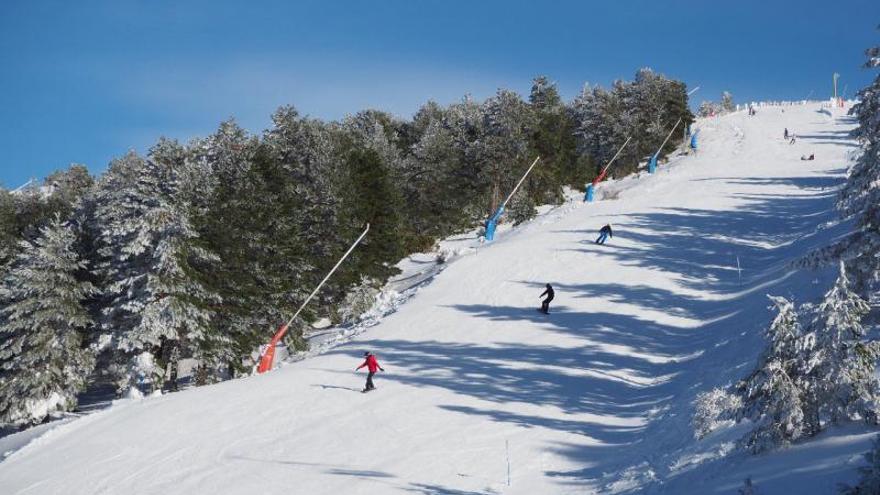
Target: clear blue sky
(84, 81)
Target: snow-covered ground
(483, 394)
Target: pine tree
(860, 196)
(552, 138)
(43, 360)
(841, 362)
(772, 395)
(503, 151)
(153, 302)
(727, 104)
(373, 199)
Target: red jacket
(371, 363)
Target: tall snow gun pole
(652, 163)
(588, 194)
(269, 355)
(686, 132)
(493, 222)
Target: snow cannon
(493, 223)
(652, 164)
(694, 140)
(588, 194)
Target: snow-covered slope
(483, 394)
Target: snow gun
(588, 194)
(269, 354)
(492, 223)
(652, 163)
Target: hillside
(595, 396)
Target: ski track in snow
(594, 397)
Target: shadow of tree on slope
(619, 373)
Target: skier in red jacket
(372, 365)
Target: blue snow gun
(652, 164)
(694, 140)
(492, 223)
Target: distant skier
(604, 233)
(372, 365)
(545, 304)
(785, 135)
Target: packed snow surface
(484, 394)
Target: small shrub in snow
(870, 480)
(714, 409)
(357, 301)
(748, 488)
(521, 208)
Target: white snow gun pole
(588, 194)
(493, 222)
(693, 91)
(269, 355)
(520, 182)
(652, 163)
(604, 170)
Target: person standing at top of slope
(545, 304)
(604, 233)
(372, 365)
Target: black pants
(370, 385)
(545, 305)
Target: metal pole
(363, 234)
(667, 137)
(507, 449)
(520, 182)
(739, 271)
(615, 156)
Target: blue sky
(85, 81)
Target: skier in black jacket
(545, 304)
(604, 233)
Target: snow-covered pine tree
(43, 360)
(779, 409)
(841, 362)
(552, 138)
(727, 104)
(152, 303)
(707, 109)
(465, 177)
(437, 207)
(502, 152)
(860, 196)
(772, 394)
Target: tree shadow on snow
(622, 370)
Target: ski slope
(483, 394)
